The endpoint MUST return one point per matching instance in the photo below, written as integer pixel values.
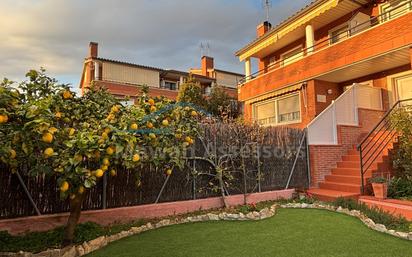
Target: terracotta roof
(129, 64)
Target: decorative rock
(410, 236)
(339, 209)
(80, 250)
(162, 223)
(136, 230)
(212, 216)
(250, 216)
(380, 228)
(304, 205)
(69, 251)
(402, 235)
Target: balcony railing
(335, 39)
(343, 111)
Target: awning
(279, 92)
(288, 26)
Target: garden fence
(272, 158)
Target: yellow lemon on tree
(152, 136)
(78, 157)
(71, 131)
(107, 130)
(149, 125)
(3, 118)
(115, 108)
(106, 162)
(113, 173)
(109, 150)
(53, 130)
(99, 173)
(104, 167)
(151, 101)
(12, 154)
(188, 139)
(178, 136)
(81, 190)
(67, 94)
(153, 108)
(47, 137)
(58, 115)
(64, 186)
(136, 157)
(169, 172)
(105, 135)
(134, 126)
(48, 152)
(194, 113)
(165, 123)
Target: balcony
(381, 43)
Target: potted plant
(380, 187)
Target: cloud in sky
(162, 33)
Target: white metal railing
(343, 111)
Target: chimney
(263, 28)
(93, 47)
(207, 63)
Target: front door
(404, 87)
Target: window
(289, 109)
(338, 34)
(278, 111)
(170, 85)
(395, 8)
(292, 56)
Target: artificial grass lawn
(291, 232)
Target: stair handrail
(362, 146)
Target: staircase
(345, 180)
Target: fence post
(104, 195)
(194, 180)
(259, 171)
(28, 194)
(296, 160)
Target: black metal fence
(275, 156)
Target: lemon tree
(46, 127)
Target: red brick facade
(324, 157)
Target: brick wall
(323, 158)
(383, 38)
(129, 214)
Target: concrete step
(354, 165)
(344, 187)
(356, 180)
(330, 195)
(350, 172)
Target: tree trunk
(222, 188)
(75, 209)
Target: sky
(55, 34)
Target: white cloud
(165, 33)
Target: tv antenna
(267, 4)
(204, 49)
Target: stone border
(100, 242)
(354, 213)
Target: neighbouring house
(335, 67)
(124, 79)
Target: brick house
(335, 67)
(126, 79)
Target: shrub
(378, 180)
(400, 188)
(377, 215)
